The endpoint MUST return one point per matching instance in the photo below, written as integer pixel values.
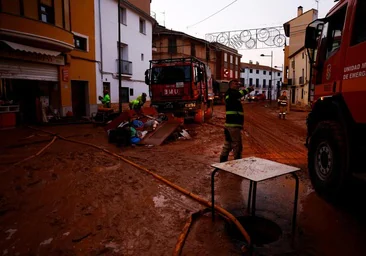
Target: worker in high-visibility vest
(106, 100)
(138, 102)
(234, 120)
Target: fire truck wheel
(327, 160)
(209, 113)
(199, 117)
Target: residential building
(47, 55)
(298, 73)
(262, 78)
(169, 43)
(227, 62)
(135, 48)
(80, 88)
(223, 61)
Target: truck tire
(327, 160)
(209, 113)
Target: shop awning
(26, 48)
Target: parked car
(257, 97)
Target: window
(172, 45)
(251, 71)
(124, 51)
(207, 54)
(193, 50)
(236, 74)
(359, 27)
(243, 70)
(257, 71)
(303, 55)
(131, 91)
(302, 93)
(264, 72)
(236, 60)
(123, 15)
(231, 58)
(46, 14)
(270, 73)
(257, 82)
(225, 57)
(270, 83)
(142, 26)
(333, 30)
(142, 57)
(172, 74)
(250, 81)
(81, 43)
(242, 81)
(231, 73)
(264, 83)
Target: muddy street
(77, 200)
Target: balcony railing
(125, 67)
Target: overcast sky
(243, 14)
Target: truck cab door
(330, 55)
(354, 75)
(197, 82)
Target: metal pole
(213, 193)
(270, 96)
(119, 58)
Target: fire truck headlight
(190, 105)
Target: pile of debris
(144, 127)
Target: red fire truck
(336, 125)
(182, 86)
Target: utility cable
(213, 14)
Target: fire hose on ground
(202, 201)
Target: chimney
(299, 11)
(256, 63)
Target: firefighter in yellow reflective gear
(234, 120)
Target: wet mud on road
(76, 200)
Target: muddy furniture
(256, 170)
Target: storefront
(29, 79)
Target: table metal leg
(295, 206)
(249, 196)
(254, 197)
(213, 193)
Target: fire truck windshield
(170, 74)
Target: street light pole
(270, 86)
(119, 59)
